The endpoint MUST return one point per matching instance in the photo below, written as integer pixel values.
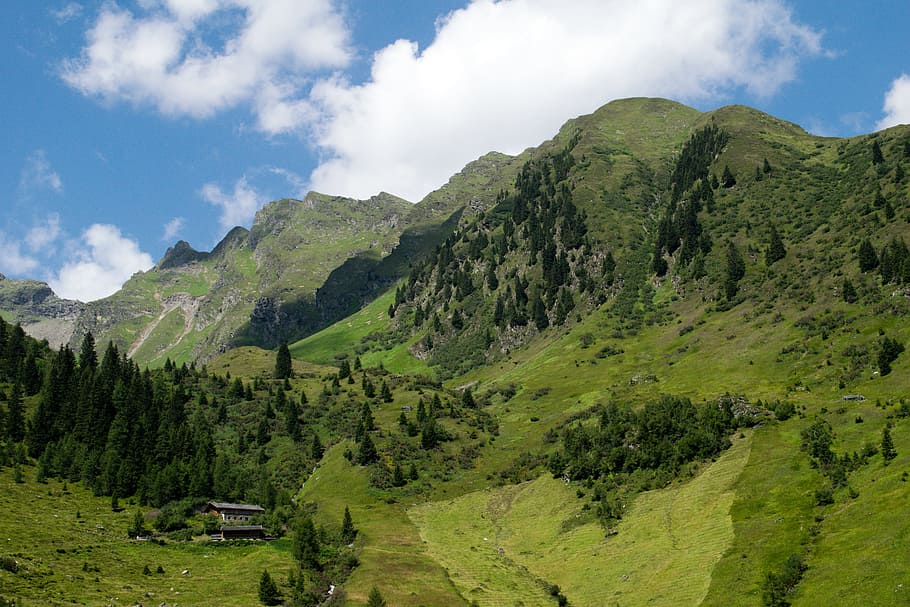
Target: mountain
(657, 360)
(34, 305)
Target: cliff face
(41, 313)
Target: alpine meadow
(657, 360)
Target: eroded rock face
(37, 308)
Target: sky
(130, 125)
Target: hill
(660, 361)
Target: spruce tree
(348, 531)
(367, 453)
(888, 451)
(868, 259)
(849, 292)
(268, 591)
(735, 270)
(306, 546)
(877, 157)
(15, 416)
(776, 250)
(375, 599)
(283, 368)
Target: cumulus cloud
(38, 175)
(40, 236)
(103, 260)
(897, 103)
(173, 228)
(237, 207)
(12, 260)
(505, 75)
(198, 57)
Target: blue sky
(131, 124)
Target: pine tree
(877, 157)
(15, 416)
(367, 453)
(398, 479)
(316, 448)
(728, 179)
(385, 392)
(283, 369)
(88, 358)
(467, 399)
(735, 270)
(375, 599)
(888, 451)
(268, 591)
(306, 546)
(849, 292)
(868, 259)
(137, 528)
(348, 531)
(776, 250)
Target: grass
(345, 335)
(72, 549)
(392, 555)
(505, 545)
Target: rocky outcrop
(37, 308)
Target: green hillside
(658, 360)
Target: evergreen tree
(367, 453)
(306, 546)
(268, 591)
(877, 157)
(88, 358)
(316, 448)
(728, 179)
(137, 528)
(467, 399)
(868, 259)
(375, 599)
(369, 390)
(345, 369)
(539, 313)
(348, 531)
(776, 250)
(889, 350)
(888, 451)
(398, 479)
(735, 270)
(15, 416)
(367, 423)
(283, 369)
(385, 392)
(849, 292)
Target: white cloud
(897, 103)
(103, 261)
(66, 13)
(173, 228)
(163, 56)
(505, 75)
(42, 235)
(12, 260)
(298, 183)
(38, 175)
(237, 207)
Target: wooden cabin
(233, 513)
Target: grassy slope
(502, 545)
(393, 558)
(53, 545)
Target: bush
(8, 563)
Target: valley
(649, 362)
